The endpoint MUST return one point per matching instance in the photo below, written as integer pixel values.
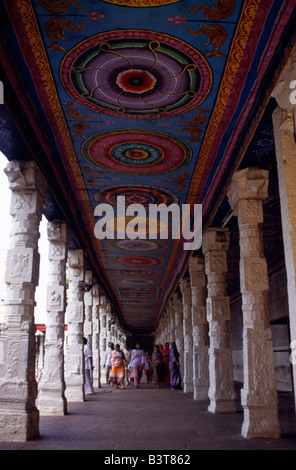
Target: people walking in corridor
(88, 388)
(166, 360)
(117, 373)
(107, 360)
(137, 364)
(148, 369)
(175, 375)
(157, 366)
(128, 354)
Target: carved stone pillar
(108, 321)
(96, 335)
(199, 329)
(19, 417)
(187, 331)
(284, 128)
(171, 336)
(103, 336)
(178, 308)
(51, 399)
(74, 370)
(221, 391)
(248, 189)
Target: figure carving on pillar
(18, 387)
(259, 397)
(221, 390)
(74, 357)
(199, 329)
(284, 127)
(52, 400)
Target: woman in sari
(157, 367)
(137, 365)
(166, 362)
(175, 375)
(117, 374)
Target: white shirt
(87, 356)
(128, 355)
(108, 357)
(138, 358)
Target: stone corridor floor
(152, 419)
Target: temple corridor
(156, 139)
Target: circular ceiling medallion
(136, 194)
(136, 74)
(137, 282)
(140, 261)
(138, 245)
(132, 272)
(141, 3)
(136, 151)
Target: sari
(157, 368)
(117, 374)
(137, 365)
(166, 364)
(175, 376)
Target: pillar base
(260, 423)
(54, 405)
(201, 393)
(74, 394)
(19, 426)
(260, 417)
(188, 388)
(222, 406)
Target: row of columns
(86, 311)
(196, 318)
(212, 372)
(205, 311)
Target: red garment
(166, 359)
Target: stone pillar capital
(196, 264)
(248, 184)
(248, 189)
(215, 239)
(25, 175)
(58, 231)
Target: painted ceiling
(154, 100)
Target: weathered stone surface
(19, 417)
(259, 396)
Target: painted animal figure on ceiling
(193, 125)
(221, 10)
(216, 36)
(55, 30)
(56, 6)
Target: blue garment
(175, 375)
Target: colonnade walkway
(152, 419)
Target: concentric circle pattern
(136, 151)
(138, 245)
(136, 194)
(136, 74)
(141, 261)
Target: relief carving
(19, 266)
